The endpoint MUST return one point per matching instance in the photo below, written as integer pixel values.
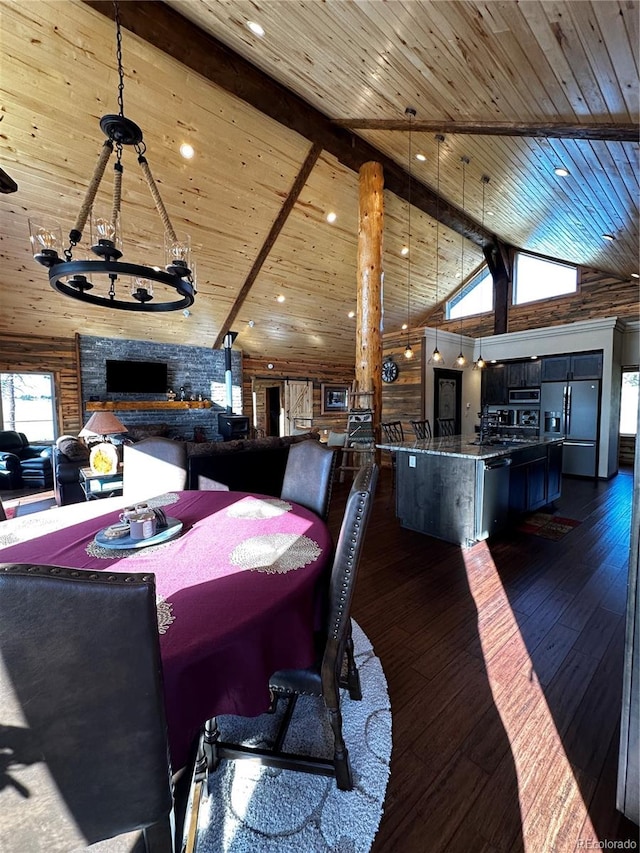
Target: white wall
(630, 355)
(449, 346)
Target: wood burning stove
(232, 427)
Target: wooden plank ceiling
(542, 68)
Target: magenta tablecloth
(224, 624)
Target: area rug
(251, 809)
(547, 525)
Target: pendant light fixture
(408, 352)
(436, 355)
(123, 286)
(480, 362)
(461, 360)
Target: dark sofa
(24, 465)
(247, 465)
(250, 465)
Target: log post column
(368, 363)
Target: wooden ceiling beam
(279, 222)
(540, 130)
(170, 32)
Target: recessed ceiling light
(256, 29)
(635, 275)
(421, 157)
(351, 315)
(270, 366)
(331, 217)
(404, 250)
(608, 237)
(561, 171)
(280, 297)
(186, 151)
(404, 326)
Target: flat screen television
(136, 377)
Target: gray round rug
(253, 809)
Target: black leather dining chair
(308, 476)
(83, 739)
(335, 666)
(421, 429)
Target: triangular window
(474, 297)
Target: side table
(97, 486)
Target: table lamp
(103, 457)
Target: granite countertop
(468, 446)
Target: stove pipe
(229, 338)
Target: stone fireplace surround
(200, 370)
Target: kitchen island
(461, 490)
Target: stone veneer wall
(199, 369)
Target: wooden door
(447, 398)
(298, 406)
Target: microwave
(524, 395)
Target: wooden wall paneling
(258, 377)
(599, 295)
(58, 356)
(403, 400)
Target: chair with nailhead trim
(335, 666)
(83, 736)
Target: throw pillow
(74, 449)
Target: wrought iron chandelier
(124, 286)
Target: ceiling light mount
(124, 286)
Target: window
(538, 278)
(475, 297)
(629, 402)
(27, 405)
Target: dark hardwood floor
(504, 667)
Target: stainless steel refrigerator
(572, 409)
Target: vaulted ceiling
(517, 89)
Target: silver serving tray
(174, 526)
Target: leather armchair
(24, 465)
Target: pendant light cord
(465, 163)
(410, 112)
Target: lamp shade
(103, 423)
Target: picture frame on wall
(334, 399)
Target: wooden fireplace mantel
(129, 405)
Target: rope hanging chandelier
(123, 286)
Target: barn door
(298, 406)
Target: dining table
(240, 581)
